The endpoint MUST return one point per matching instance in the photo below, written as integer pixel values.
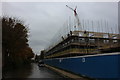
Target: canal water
(32, 71)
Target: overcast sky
(45, 19)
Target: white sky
(46, 18)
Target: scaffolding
(83, 37)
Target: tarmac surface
(33, 72)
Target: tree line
(15, 47)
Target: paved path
(32, 71)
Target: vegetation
(42, 55)
(15, 47)
(39, 57)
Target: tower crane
(76, 15)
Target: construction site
(83, 38)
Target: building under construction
(84, 43)
(86, 53)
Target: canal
(33, 72)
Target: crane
(75, 14)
